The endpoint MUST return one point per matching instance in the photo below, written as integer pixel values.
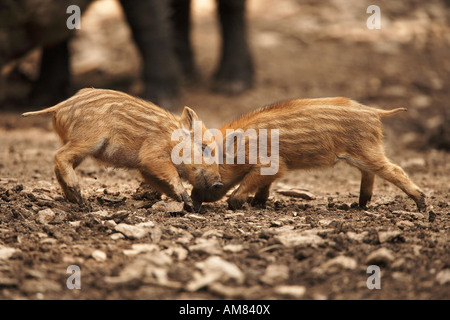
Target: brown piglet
(311, 133)
(126, 132)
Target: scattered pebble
(99, 255)
(409, 215)
(275, 274)
(337, 264)
(380, 257)
(292, 238)
(214, 269)
(138, 248)
(7, 252)
(138, 231)
(443, 277)
(295, 292)
(168, 206)
(117, 236)
(46, 216)
(195, 217)
(276, 224)
(390, 236)
(405, 224)
(235, 248)
(297, 193)
(359, 237)
(208, 246)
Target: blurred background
(299, 49)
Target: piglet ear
(187, 119)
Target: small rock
(407, 214)
(195, 217)
(99, 255)
(443, 276)
(140, 248)
(213, 233)
(359, 237)
(325, 222)
(292, 238)
(110, 223)
(208, 246)
(343, 206)
(295, 292)
(337, 264)
(390, 236)
(46, 216)
(75, 224)
(297, 193)
(117, 236)
(214, 269)
(118, 216)
(405, 224)
(229, 292)
(131, 232)
(138, 231)
(7, 252)
(380, 257)
(233, 215)
(168, 206)
(276, 224)
(111, 200)
(101, 214)
(156, 234)
(235, 248)
(275, 274)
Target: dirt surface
(131, 243)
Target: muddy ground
(131, 244)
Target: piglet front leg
(168, 181)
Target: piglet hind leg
(253, 181)
(261, 196)
(67, 159)
(398, 177)
(377, 163)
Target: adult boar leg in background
(235, 72)
(54, 79)
(181, 22)
(149, 22)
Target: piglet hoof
(189, 207)
(197, 206)
(258, 203)
(421, 204)
(234, 204)
(73, 194)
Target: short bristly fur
(313, 133)
(127, 132)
